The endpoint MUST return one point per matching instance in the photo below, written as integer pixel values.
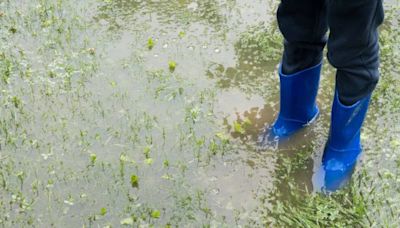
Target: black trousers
(353, 47)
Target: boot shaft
(298, 94)
(346, 123)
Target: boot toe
(284, 127)
(338, 166)
(337, 175)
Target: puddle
(147, 114)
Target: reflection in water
(250, 113)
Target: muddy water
(124, 114)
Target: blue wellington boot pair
(298, 109)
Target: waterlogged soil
(147, 114)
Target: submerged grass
(92, 140)
(75, 155)
(296, 206)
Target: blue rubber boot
(343, 147)
(298, 106)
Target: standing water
(147, 114)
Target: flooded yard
(147, 114)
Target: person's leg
(303, 23)
(353, 49)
